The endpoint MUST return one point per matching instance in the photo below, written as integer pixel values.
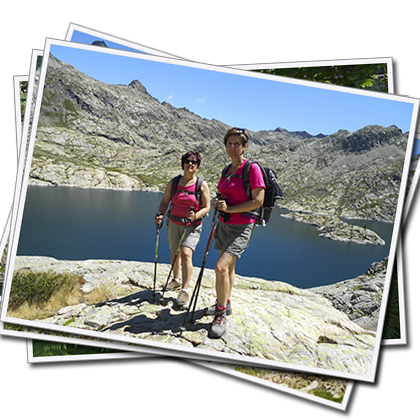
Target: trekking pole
(196, 291)
(176, 255)
(158, 227)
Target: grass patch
(69, 106)
(328, 396)
(47, 348)
(38, 295)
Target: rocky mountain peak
(370, 137)
(135, 84)
(100, 43)
(297, 134)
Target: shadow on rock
(134, 299)
(157, 315)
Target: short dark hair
(242, 132)
(189, 155)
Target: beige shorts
(192, 236)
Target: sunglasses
(241, 130)
(193, 162)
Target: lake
(79, 224)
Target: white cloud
(199, 101)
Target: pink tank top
(183, 199)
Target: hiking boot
(218, 328)
(211, 310)
(174, 284)
(182, 298)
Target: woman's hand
(222, 206)
(158, 218)
(191, 215)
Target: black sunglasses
(193, 162)
(241, 130)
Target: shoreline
(295, 213)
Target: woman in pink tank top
(184, 193)
(234, 231)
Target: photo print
(227, 369)
(325, 390)
(224, 72)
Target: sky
(85, 38)
(416, 147)
(239, 99)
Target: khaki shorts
(192, 236)
(233, 239)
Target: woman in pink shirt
(183, 199)
(235, 229)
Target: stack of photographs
(102, 124)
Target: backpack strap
(198, 187)
(226, 170)
(245, 177)
(175, 182)
(256, 213)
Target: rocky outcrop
(96, 135)
(360, 298)
(332, 227)
(270, 320)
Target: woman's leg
(177, 266)
(187, 266)
(231, 277)
(225, 276)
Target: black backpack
(273, 191)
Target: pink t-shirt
(182, 201)
(234, 190)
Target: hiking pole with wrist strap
(158, 227)
(176, 255)
(194, 296)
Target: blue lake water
(79, 224)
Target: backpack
(197, 192)
(273, 191)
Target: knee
(220, 268)
(186, 254)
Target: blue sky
(84, 38)
(416, 146)
(240, 100)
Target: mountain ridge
(94, 135)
